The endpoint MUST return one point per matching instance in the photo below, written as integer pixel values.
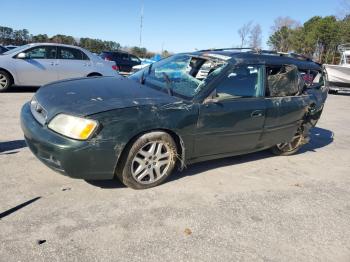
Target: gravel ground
(255, 207)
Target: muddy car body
(161, 117)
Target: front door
(38, 67)
(234, 122)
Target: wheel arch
(177, 139)
(94, 74)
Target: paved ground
(250, 208)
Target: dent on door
(283, 117)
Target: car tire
(5, 81)
(148, 161)
(289, 148)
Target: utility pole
(141, 22)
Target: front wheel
(5, 81)
(148, 162)
(289, 148)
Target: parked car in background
(141, 127)
(10, 47)
(123, 60)
(146, 62)
(39, 64)
(3, 49)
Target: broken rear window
(283, 81)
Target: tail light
(308, 78)
(115, 67)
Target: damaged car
(171, 114)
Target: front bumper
(90, 160)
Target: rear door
(234, 123)
(38, 67)
(283, 116)
(72, 63)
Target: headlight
(73, 127)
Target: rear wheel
(148, 162)
(289, 148)
(5, 81)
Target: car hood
(87, 96)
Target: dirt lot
(250, 208)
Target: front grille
(39, 113)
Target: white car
(39, 64)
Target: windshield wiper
(168, 84)
(149, 69)
(143, 78)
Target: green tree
(281, 40)
(41, 38)
(20, 37)
(138, 51)
(6, 34)
(63, 39)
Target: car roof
(263, 57)
(55, 44)
(116, 51)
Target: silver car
(38, 64)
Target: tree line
(9, 36)
(318, 38)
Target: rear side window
(123, 56)
(242, 81)
(284, 80)
(134, 59)
(71, 54)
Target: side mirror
(21, 56)
(212, 98)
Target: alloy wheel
(3, 81)
(292, 145)
(151, 162)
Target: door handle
(257, 113)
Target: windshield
(180, 75)
(17, 49)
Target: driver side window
(242, 81)
(41, 52)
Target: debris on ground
(187, 231)
(41, 241)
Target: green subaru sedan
(183, 109)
